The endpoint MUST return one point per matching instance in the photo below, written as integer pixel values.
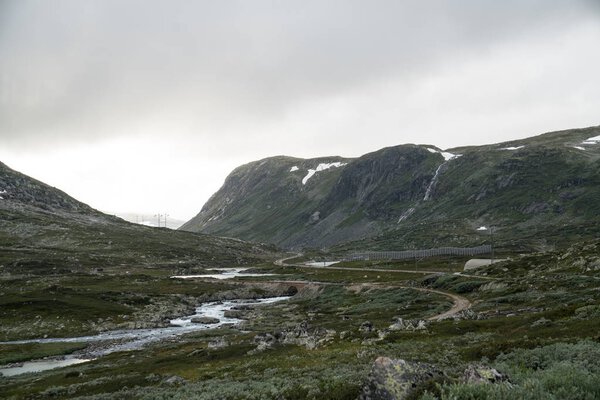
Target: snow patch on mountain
(592, 140)
(578, 148)
(294, 168)
(512, 148)
(1, 193)
(321, 167)
(447, 156)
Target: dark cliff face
(273, 201)
(378, 182)
(415, 195)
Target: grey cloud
(79, 70)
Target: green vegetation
(535, 318)
(558, 371)
(14, 353)
(67, 270)
(80, 304)
(541, 196)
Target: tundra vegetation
(534, 319)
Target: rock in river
(205, 320)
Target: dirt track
(460, 303)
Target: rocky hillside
(534, 192)
(20, 191)
(44, 229)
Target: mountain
(44, 229)
(534, 193)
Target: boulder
(243, 307)
(174, 381)
(421, 325)
(301, 335)
(218, 343)
(396, 379)
(263, 341)
(542, 322)
(205, 320)
(407, 325)
(234, 314)
(366, 327)
(483, 374)
(398, 325)
(291, 291)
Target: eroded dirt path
(460, 303)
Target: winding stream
(133, 339)
(227, 273)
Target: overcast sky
(146, 106)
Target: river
(134, 339)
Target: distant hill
(45, 229)
(536, 193)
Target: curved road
(460, 303)
(281, 263)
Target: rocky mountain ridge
(415, 195)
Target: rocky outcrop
(408, 325)
(174, 380)
(218, 343)
(205, 320)
(483, 374)
(20, 190)
(396, 379)
(301, 335)
(366, 327)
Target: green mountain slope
(534, 192)
(43, 229)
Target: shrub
(560, 371)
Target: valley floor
(535, 320)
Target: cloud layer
(220, 83)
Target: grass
(10, 353)
(542, 301)
(558, 371)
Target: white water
(447, 157)
(133, 339)
(228, 273)
(433, 181)
(406, 214)
(41, 365)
